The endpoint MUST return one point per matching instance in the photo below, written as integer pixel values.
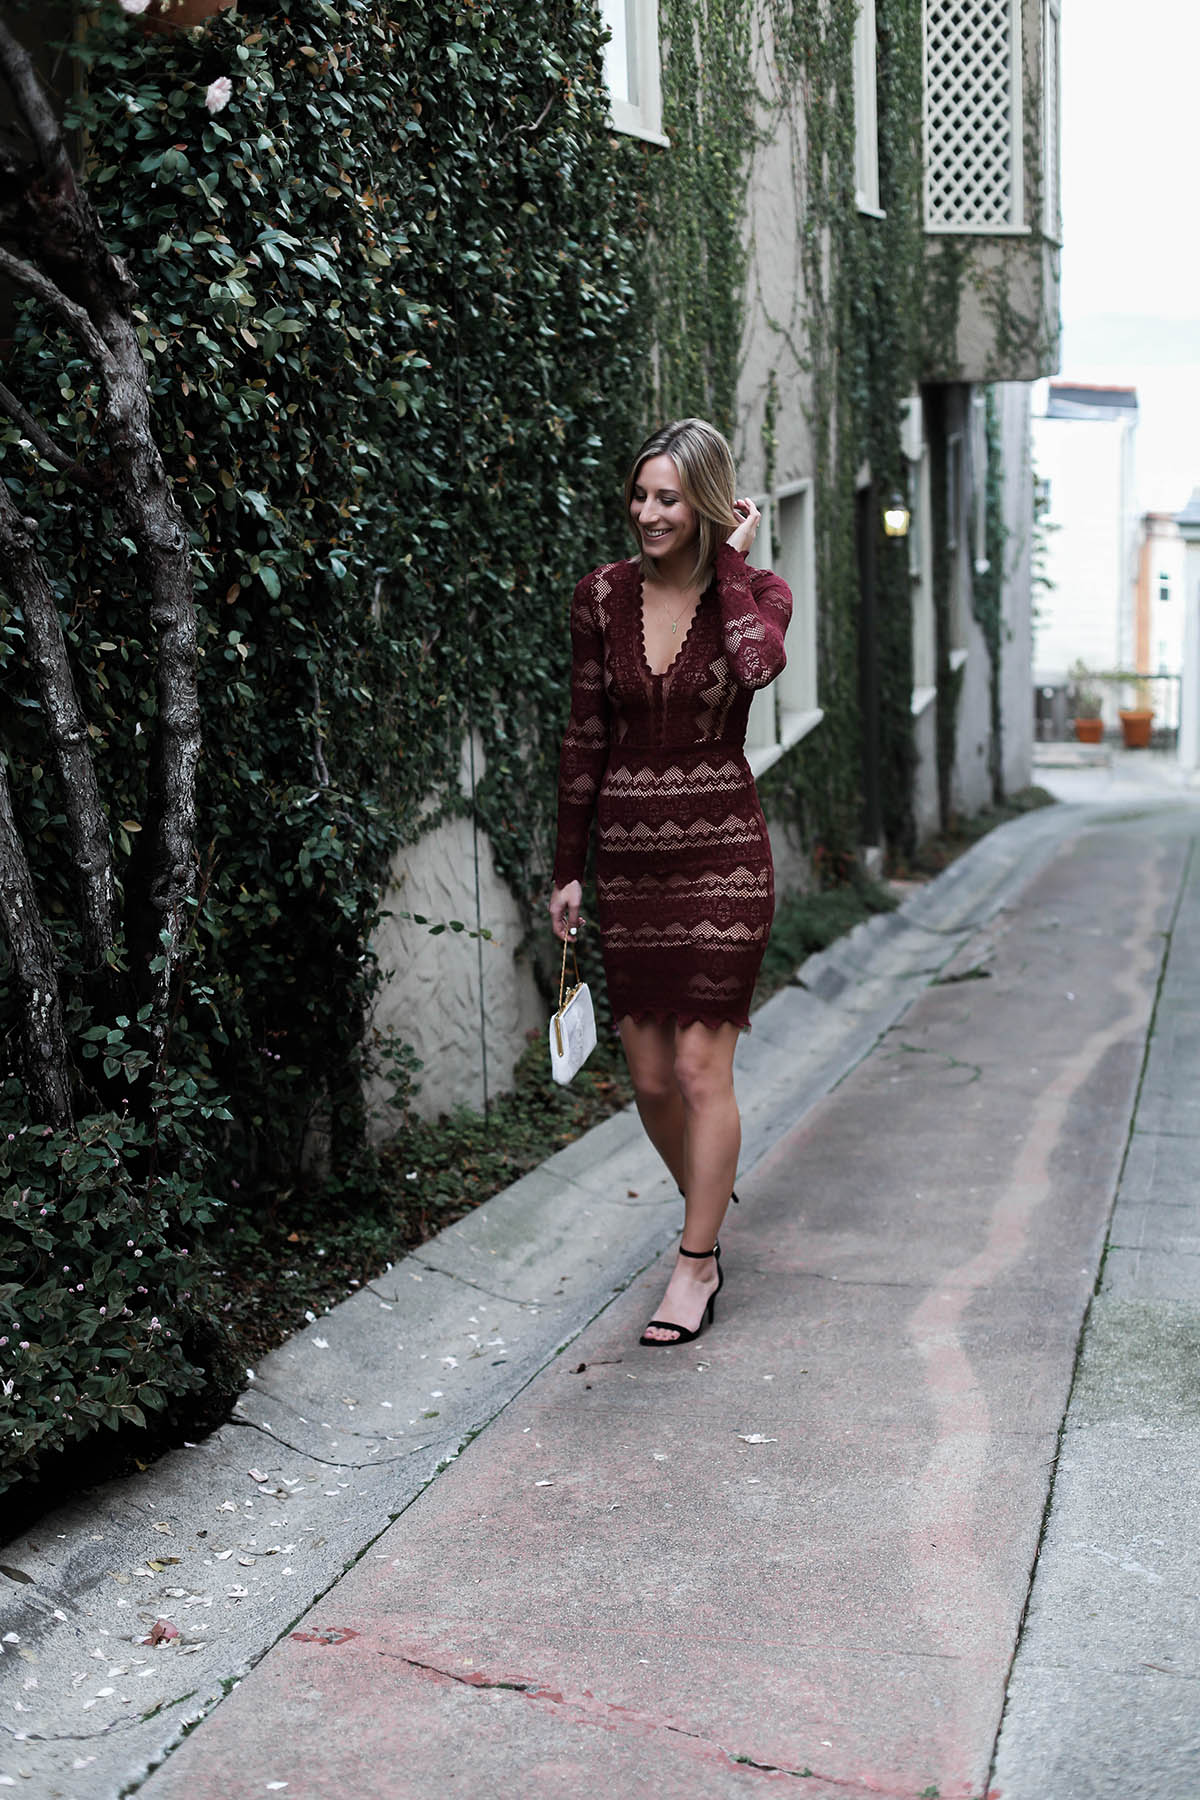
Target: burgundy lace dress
(683, 865)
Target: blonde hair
(706, 482)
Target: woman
(668, 648)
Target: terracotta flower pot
(1089, 731)
(181, 15)
(1135, 727)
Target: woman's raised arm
(755, 609)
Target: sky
(1131, 246)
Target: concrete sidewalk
(799, 1547)
(803, 1546)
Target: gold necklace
(678, 615)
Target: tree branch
(35, 969)
(31, 103)
(73, 317)
(91, 846)
(45, 445)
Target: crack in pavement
(590, 1710)
(345, 1462)
(453, 1275)
(114, 1726)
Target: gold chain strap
(562, 980)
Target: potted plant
(1137, 719)
(1089, 725)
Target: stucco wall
(431, 995)
(926, 811)
(775, 299)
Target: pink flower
(218, 94)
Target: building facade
(1083, 445)
(891, 311)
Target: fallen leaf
(238, 1593)
(754, 1437)
(256, 1475)
(161, 1525)
(161, 1632)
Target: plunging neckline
(661, 674)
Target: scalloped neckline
(661, 674)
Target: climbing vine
(863, 298)
(407, 302)
(695, 196)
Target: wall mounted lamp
(896, 517)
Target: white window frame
(866, 113)
(957, 531)
(979, 481)
(954, 487)
(634, 23)
(787, 710)
(920, 556)
(1015, 226)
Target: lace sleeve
(585, 741)
(755, 609)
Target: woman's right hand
(564, 910)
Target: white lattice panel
(972, 115)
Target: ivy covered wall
(408, 302)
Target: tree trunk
(45, 1061)
(76, 275)
(91, 846)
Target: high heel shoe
(684, 1336)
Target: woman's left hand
(751, 519)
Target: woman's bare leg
(650, 1053)
(712, 1136)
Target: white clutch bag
(573, 1027)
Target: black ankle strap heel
(682, 1335)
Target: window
(1051, 123)
(631, 67)
(866, 124)
(979, 481)
(1164, 586)
(973, 158)
(954, 459)
(920, 561)
(780, 715)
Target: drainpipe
(1188, 522)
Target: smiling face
(662, 518)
